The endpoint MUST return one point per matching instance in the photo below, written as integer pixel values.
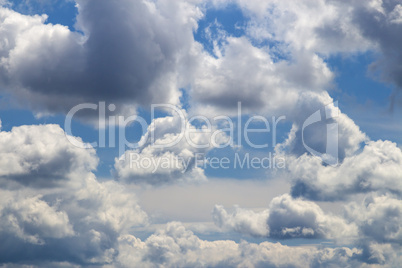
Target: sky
(189, 133)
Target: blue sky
(322, 79)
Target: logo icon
(331, 111)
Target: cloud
(42, 156)
(77, 225)
(241, 220)
(285, 218)
(176, 246)
(290, 217)
(329, 127)
(332, 27)
(90, 223)
(378, 218)
(31, 219)
(52, 207)
(168, 150)
(381, 24)
(375, 168)
(128, 59)
(323, 27)
(248, 74)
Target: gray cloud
(382, 24)
(127, 58)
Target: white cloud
(286, 218)
(241, 220)
(379, 218)
(32, 219)
(376, 168)
(176, 246)
(168, 151)
(52, 207)
(290, 217)
(248, 74)
(42, 156)
(324, 27)
(331, 128)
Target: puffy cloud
(77, 225)
(52, 207)
(290, 217)
(376, 168)
(242, 220)
(176, 246)
(128, 59)
(303, 34)
(248, 74)
(285, 218)
(324, 27)
(332, 26)
(321, 129)
(42, 156)
(32, 219)
(89, 222)
(383, 254)
(378, 218)
(168, 150)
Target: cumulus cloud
(176, 246)
(250, 75)
(290, 217)
(241, 220)
(42, 156)
(32, 219)
(128, 59)
(324, 27)
(303, 34)
(168, 150)
(52, 208)
(375, 168)
(286, 218)
(90, 223)
(319, 124)
(332, 27)
(378, 218)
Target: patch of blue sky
(355, 82)
(62, 12)
(230, 21)
(363, 97)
